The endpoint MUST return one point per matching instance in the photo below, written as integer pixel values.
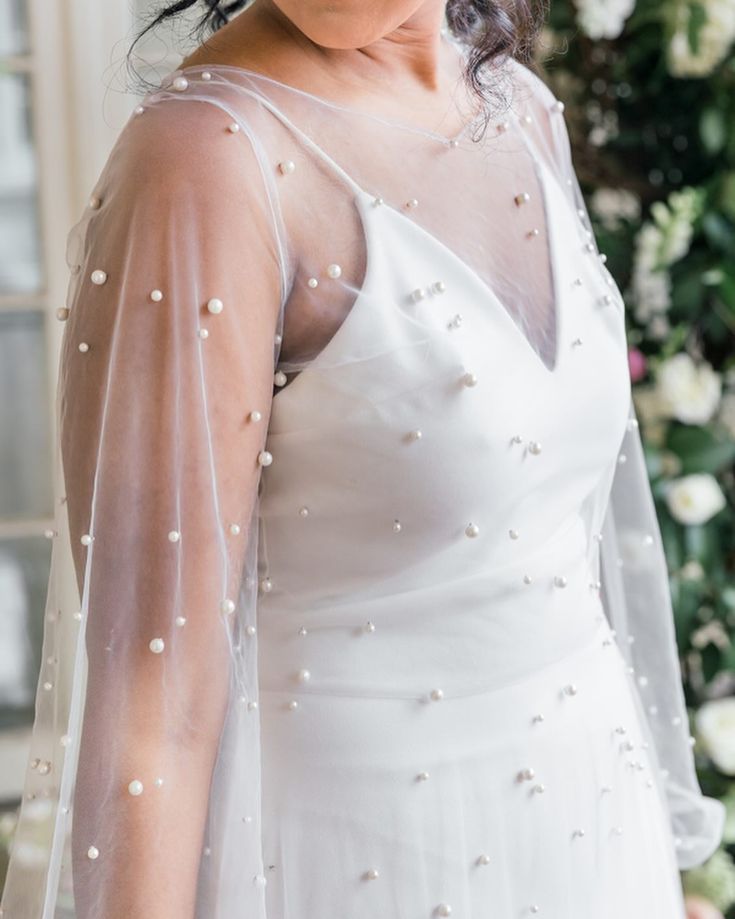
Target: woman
(358, 605)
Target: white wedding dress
(387, 634)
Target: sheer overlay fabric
(228, 258)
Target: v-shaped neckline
(552, 255)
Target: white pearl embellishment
(98, 276)
(472, 529)
(334, 271)
(215, 306)
(156, 645)
(93, 852)
(287, 166)
(135, 787)
(265, 458)
(156, 296)
(180, 84)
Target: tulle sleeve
(149, 668)
(632, 568)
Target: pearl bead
(203, 334)
(559, 106)
(156, 645)
(527, 119)
(86, 540)
(174, 536)
(138, 110)
(233, 127)
(456, 321)
(235, 529)
(412, 202)
(287, 166)
(525, 775)
(469, 379)
(156, 295)
(514, 534)
(436, 694)
(158, 782)
(252, 706)
(534, 908)
(304, 676)
(533, 233)
(418, 294)
(215, 305)
(444, 909)
(206, 75)
(265, 458)
(453, 142)
(293, 704)
(83, 347)
(135, 787)
(260, 880)
(483, 859)
(560, 581)
(180, 621)
(534, 447)
(503, 126)
(62, 313)
(369, 626)
(93, 852)
(570, 689)
(423, 777)
(303, 512)
(95, 202)
(313, 282)
(539, 789)
(180, 84)
(303, 630)
(48, 686)
(618, 831)
(578, 832)
(472, 530)
(527, 579)
(98, 276)
(255, 415)
(439, 287)
(250, 630)
(372, 874)
(334, 271)
(227, 606)
(522, 198)
(622, 458)
(589, 247)
(266, 585)
(415, 435)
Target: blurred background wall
(649, 87)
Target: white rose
(603, 18)
(694, 499)
(715, 727)
(689, 392)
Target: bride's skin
(386, 56)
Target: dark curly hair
(489, 28)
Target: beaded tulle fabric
(357, 606)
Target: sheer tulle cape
(219, 254)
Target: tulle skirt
(533, 798)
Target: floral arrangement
(649, 87)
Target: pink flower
(699, 908)
(636, 364)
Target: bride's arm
(168, 349)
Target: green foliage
(651, 115)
